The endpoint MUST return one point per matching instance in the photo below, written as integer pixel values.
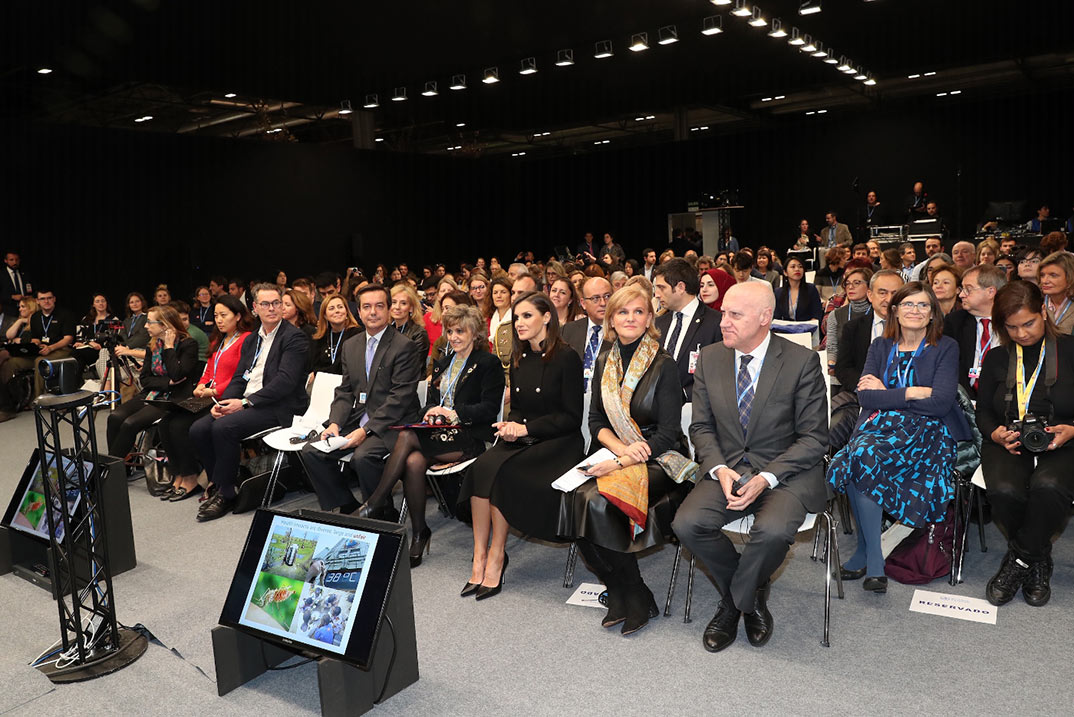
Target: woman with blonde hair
(987, 252)
(405, 316)
(335, 325)
(1057, 284)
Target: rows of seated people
(538, 342)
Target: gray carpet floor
(526, 651)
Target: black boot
(640, 608)
(1004, 585)
(1037, 589)
(616, 602)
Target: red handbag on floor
(925, 554)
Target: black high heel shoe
(419, 546)
(365, 510)
(483, 591)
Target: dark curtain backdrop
(117, 211)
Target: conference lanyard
(45, 327)
(333, 348)
(202, 313)
(1059, 314)
(753, 382)
(134, 322)
(902, 378)
(1026, 391)
(453, 379)
(257, 352)
(219, 353)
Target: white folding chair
(279, 439)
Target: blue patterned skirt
(901, 461)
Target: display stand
(345, 689)
(31, 558)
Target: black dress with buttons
(517, 476)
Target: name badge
(363, 397)
(246, 375)
(694, 355)
(588, 373)
(975, 373)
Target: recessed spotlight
(941, 94)
(379, 139)
(430, 89)
(956, 92)
(639, 42)
(230, 95)
(742, 9)
(458, 82)
(528, 66)
(780, 97)
(712, 25)
(777, 28)
(371, 102)
(564, 58)
(492, 75)
(930, 74)
(913, 77)
(720, 2)
(602, 49)
(460, 124)
(44, 71)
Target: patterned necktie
(673, 340)
(986, 343)
(591, 352)
(745, 393)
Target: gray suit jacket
(788, 429)
(575, 334)
(391, 390)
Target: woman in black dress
(540, 440)
(335, 325)
(635, 413)
(467, 390)
(797, 299)
(1030, 485)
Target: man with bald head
(760, 431)
(964, 255)
(586, 336)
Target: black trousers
(367, 462)
(1031, 504)
(174, 433)
(217, 442)
(126, 422)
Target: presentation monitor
(26, 511)
(315, 583)
(1007, 212)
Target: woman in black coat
(466, 391)
(797, 299)
(169, 371)
(407, 318)
(636, 413)
(540, 440)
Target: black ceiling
(319, 53)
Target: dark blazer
(935, 367)
(8, 305)
(808, 308)
(284, 388)
(478, 392)
(575, 333)
(416, 332)
(656, 410)
(788, 430)
(135, 335)
(180, 364)
(703, 331)
(853, 349)
(391, 390)
(961, 326)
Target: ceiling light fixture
(639, 42)
(44, 71)
(757, 19)
(742, 9)
(458, 82)
(796, 38)
(844, 65)
(956, 92)
(831, 59)
(229, 95)
(371, 102)
(809, 7)
(912, 77)
(780, 97)
(564, 58)
(720, 2)
(712, 25)
(667, 35)
(777, 28)
(528, 66)
(379, 139)
(871, 82)
(345, 107)
(492, 75)
(460, 124)
(430, 89)
(650, 117)
(860, 75)
(930, 74)
(603, 49)
(807, 44)
(938, 94)
(820, 51)
(766, 99)
(399, 95)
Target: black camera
(109, 333)
(1032, 434)
(62, 376)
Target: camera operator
(1028, 420)
(98, 320)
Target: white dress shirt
(256, 372)
(878, 327)
(687, 312)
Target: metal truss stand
(91, 642)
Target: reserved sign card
(956, 606)
(587, 595)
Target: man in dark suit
(267, 390)
(14, 284)
(688, 326)
(760, 431)
(586, 336)
(379, 389)
(858, 333)
(971, 325)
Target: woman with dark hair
(797, 299)
(478, 288)
(631, 268)
(335, 325)
(635, 413)
(565, 299)
(1028, 259)
(1028, 477)
(201, 311)
(298, 310)
(765, 268)
(99, 315)
(856, 303)
(540, 440)
(168, 372)
(901, 455)
(406, 317)
(1008, 264)
(890, 259)
(467, 391)
(134, 335)
(232, 323)
(947, 284)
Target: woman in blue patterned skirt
(900, 457)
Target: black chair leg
(674, 576)
(980, 518)
(568, 572)
(689, 590)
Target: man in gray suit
(760, 430)
(379, 389)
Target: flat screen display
(314, 583)
(26, 512)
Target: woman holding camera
(168, 372)
(466, 390)
(901, 455)
(1025, 409)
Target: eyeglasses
(1034, 260)
(151, 321)
(856, 284)
(920, 307)
(969, 288)
(269, 304)
(599, 298)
